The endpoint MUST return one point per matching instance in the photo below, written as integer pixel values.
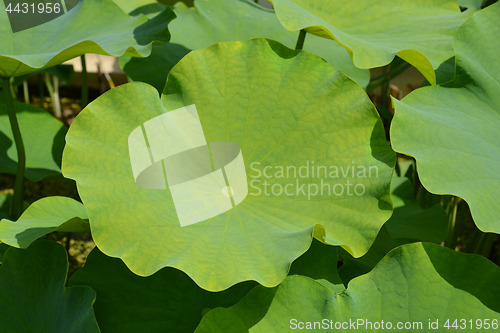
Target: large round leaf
(93, 26)
(415, 284)
(453, 131)
(214, 21)
(284, 109)
(42, 217)
(374, 32)
(33, 295)
(43, 137)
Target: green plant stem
(40, 88)
(458, 225)
(17, 204)
(56, 102)
(482, 243)
(63, 2)
(385, 89)
(85, 82)
(67, 244)
(451, 210)
(300, 40)
(53, 98)
(26, 92)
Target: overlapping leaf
(3, 248)
(130, 5)
(409, 223)
(168, 299)
(43, 138)
(5, 205)
(416, 283)
(216, 21)
(374, 32)
(282, 108)
(319, 263)
(93, 26)
(453, 131)
(33, 295)
(470, 3)
(44, 216)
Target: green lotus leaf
(43, 137)
(44, 216)
(319, 263)
(452, 130)
(5, 204)
(409, 223)
(3, 248)
(416, 283)
(214, 21)
(64, 72)
(129, 6)
(279, 109)
(93, 26)
(167, 299)
(33, 295)
(150, 10)
(470, 3)
(171, 295)
(410, 220)
(374, 32)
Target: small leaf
(33, 295)
(93, 26)
(43, 138)
(42, 217)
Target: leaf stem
(26, 92)
(17, 205)
(40, 88)
(85, 82)
(300, 40)
(387, 76)
(53, 97)
(451, 210)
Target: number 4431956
(30, 8)
(470, 324)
